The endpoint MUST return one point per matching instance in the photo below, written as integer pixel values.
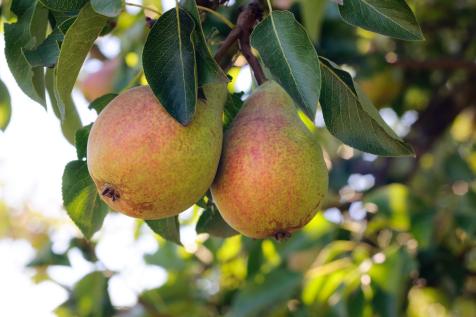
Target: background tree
(395, 235)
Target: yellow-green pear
(272, 176)
(146, 164)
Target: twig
(436, 64)
(145, 8)
(244, 25)
(218, 15)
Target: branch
(244, 25)
(436, 64)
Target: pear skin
(147, 165)
(272, 176)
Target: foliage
(403, 243)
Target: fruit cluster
(267, 175)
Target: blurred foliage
(403, 245)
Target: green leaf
(72, 121)
(19, 36)
(312, 15)
(70, 6)
(100, 103)
(167, 228)
(351, 117)
(232, 107)
(169, 64)
(287, 51)
(46, 54)
(389, 17)
(212, 222)
(46, 257)
(81, 199)
(255, 298)
(81, 141)
(90, 296)
(109, 8)
(5, 106)
(77, 42)
(207, 68)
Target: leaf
(100, 103)
(70, 6)
(5, 106)
(169, 64)
(46, 257)
(287, 51)
(212, 222)
(232, 107)
(352, 118)
(77, 42)
(167, 228)
(109, 8)
(81, 141)
(90, 296)
(46, 54)
(312, 15)
(81, 199)
(71, 122)
(255, 298)
(207, 68)
(17, 37)
(389, 17)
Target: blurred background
(395, 237)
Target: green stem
(145, 8)
(218, 15)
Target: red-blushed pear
(146, 164)
(272, 176)
(101, 82)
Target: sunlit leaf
(389, 17)
(77, 42)
(5, 106)
(81, 199)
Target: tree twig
(241, 33)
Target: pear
(272, 176)
(147, 165)
(100, 82)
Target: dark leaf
(289, 54)
(46, 54)
(100, 103)
(208, 69)
(70, 6)
(167, 228)
(19, 36)
(212, 222)
(351, 117)
(169, 64)
(109, 8)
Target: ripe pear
(272, 176)
(147, 165)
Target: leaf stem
(145, 8)
(218, 15)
